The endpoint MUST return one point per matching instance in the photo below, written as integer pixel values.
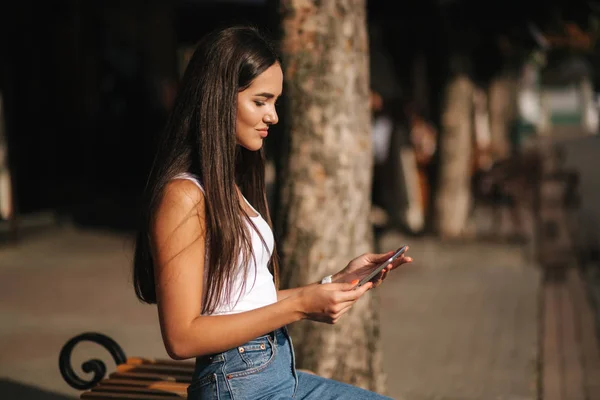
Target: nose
(271, 118)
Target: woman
(205, 252)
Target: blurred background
(511, 90)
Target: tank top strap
(190, 177)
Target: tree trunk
(325, 198)
(502, 114)
(453, 200)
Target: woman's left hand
(362, 265)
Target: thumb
(344, 287)
(350, 285)
(357, 292)
(364, 288)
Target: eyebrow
(266, 95)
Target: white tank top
(259, 289)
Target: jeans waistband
(209, 359)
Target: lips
(263, 132)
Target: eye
(259, 103)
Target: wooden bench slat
(144, 383)
(123, 396)
(173, 392)
(151, 368)
(151, 376)
(160, 361)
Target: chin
(253, 146)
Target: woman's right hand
(328, 302)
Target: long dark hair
(199, 138)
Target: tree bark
(325, 198)
(502, 113)
(453, 200)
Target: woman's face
(256, 108)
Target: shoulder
(180, 199)
(184, 192)
(178, 224)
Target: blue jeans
(264, 368)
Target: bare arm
(285, 293)
(179, 232)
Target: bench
(134, 378)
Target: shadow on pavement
(13, 390)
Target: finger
(381, 276)
(380, 279)
(355, 294)
(384, 274)
(378, 257)
(344, 310)
(399, 261)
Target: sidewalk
(460, 323)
